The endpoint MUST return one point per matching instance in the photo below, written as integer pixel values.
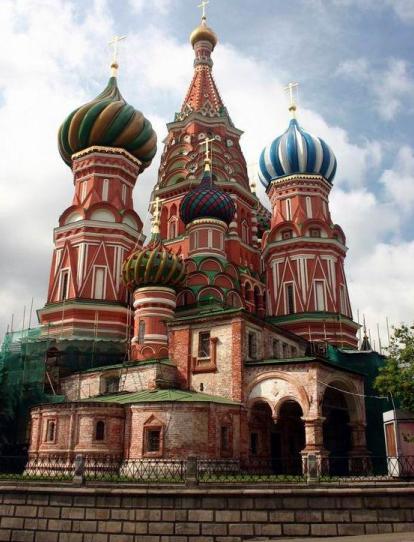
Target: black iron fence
(192, 471)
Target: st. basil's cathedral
(229, 334)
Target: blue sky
(352, 58)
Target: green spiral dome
(153, 265)
(108, 121)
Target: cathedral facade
(226, 315)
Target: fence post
(191, 474)
(79, 472)
(312, 471)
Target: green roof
(162, 396)
(128, 365)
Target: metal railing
(192, 471)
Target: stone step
(392, 537)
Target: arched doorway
(289, 439)
(278, 443)
(336, 430)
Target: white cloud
(399, 180)
(52, 72)
(392, 87)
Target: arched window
(100, 430)
(288, 210)
(245, 232)
(172, 228)
(309, 207)
(105, 189)
(141, 332)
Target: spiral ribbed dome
(108, 121)
(207, 201)
(153, 265)
(296, 151)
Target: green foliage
(397, 375)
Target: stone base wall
(35, 513)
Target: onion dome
(207, 201)
(153, 265)
(108, 121)
(203, 33)
(296, 151)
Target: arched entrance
(279, 443)
(336, 430)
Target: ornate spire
(203, 96)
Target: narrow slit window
(100, 430)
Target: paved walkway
(395, 537)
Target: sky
(353, 62)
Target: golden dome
(203, 32)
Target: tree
(397, 375)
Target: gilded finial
(114, 64)
(292, 90)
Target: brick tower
(107, 143)
(304, 250)
(204, 118)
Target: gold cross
(203, 7)
(290, 89)
(114, 43)
(206, 142)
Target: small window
(287, 234)
(245, 232)
(83, 191)
(153, 440)
(64, 285)
(294, 352)
(99, 282)
(112, 384)
(309, 206)
(254, 443)
(252, 344)
(100, 430)
(105, 189)
(141, 332)
(290, 300)
(50, 431)
(224, 438)
(315, 232)
(276, 348)
(172, 229)
(288, 209)
(320, 295)
(204, 344)
(124, 190)
(285, 349)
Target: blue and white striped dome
(296, 151)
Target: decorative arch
(197, 279)
(186, 297)
(234, 300)
(210, 292)
(210, 264)
(223, 281)
(276, 232)
(300, 396)
(71, 215)
(355, 404)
